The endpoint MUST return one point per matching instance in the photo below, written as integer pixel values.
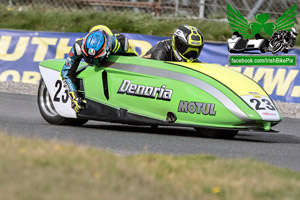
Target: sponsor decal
(145, 91)
(273, 114)
(92, 52)
(71, 53)
(69, 61)
(197, 107)
(196, 43)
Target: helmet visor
(88, 59)
(181, 46)
(188, 51)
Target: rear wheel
(154, 127)
(48, 111)
(215, 133)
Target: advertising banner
(21, 52)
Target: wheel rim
(45, 101)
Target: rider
(185, 46)
(94, 48)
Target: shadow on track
(263, 137)
(266, 137)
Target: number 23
(64, 98)
(258, 105)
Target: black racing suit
(162, 51)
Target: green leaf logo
(262, 18)
(255, 28)
(262, 27)
(238, 23)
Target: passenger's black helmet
(187, 43)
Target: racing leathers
(119, 45)
(162, 51)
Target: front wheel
(48, 111)
(215, 133)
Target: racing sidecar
(215, 100)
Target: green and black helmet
(187, 43)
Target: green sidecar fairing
(134, 90)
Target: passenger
(185, 46)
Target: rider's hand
(78, 103)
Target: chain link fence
(198, 9)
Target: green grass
(79, 21)
(35, 169)
(53, 19)
(50, 19)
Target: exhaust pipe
(171, 117)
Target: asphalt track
(19, 115)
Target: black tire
(215, 133)
(48, 111)
(154, 127)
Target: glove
(78, 103)
(131, 50)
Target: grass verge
(128, 22)
(53, 19)
(36, 169)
